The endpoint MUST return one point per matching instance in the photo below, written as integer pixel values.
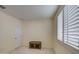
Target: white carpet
(25, 50)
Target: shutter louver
(71, 25)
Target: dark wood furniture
(35, 44)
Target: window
(71, 25)
(60, 26)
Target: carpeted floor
(26, 50)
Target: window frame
(63, 40)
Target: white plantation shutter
(71, 25)
(65, 24)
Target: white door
(18, 36)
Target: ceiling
(31, 12)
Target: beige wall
(8, 26)
(38, 30)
